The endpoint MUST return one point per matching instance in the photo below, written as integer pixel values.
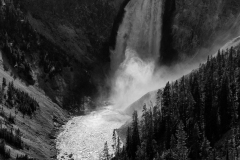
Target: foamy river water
(83, 137)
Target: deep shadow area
(117, 23)
(167, 53)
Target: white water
(140, 31)
(84, 136)
(133, 64)
(136, 53)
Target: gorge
(75, 71)
(136, 69)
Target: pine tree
(225, 111)
(166, 99)
(1, 95)
(238, 92)
(166, 96)
(158, 99)
(118, 146)
(150, 135)
(141, 152)
(181, 148)
(197, 97)
(205, 102)
(205, 148)
(105, 153)
(233, 100)
(173, 147)
(208, 100)
(135, 135)
(4, 83)
(233, 145)
(157, 157)
(175, 102)
(144, 123)
(128, 142)
(182, 100)
(156, 121)
(196, 143)
(173, 142)
(166, 113)
(114, 138)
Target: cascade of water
(139, 31)
(136, 51)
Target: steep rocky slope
(66, 49)
(150, 98)
(68, 41)
(38, 131)
(191, 28)
(83, 31)
(197, 27)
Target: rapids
(132, 65)
(83, 137)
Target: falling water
(136, 52)
(133, 63)
(139, 31)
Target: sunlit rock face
(139, 31)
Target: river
(83, 137)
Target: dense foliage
(212, 16)
(8, 134)
(94, 18)
(14, 97)
(11, 137)
(191, 116)
(3, 151)
(25, 48)
(61, 44)
(189, 26)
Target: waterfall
(139, 31)
(137, 49)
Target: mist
(135, 60)
(136, 77)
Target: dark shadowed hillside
(195, 117)
(64, 45)
(196, 27)
(29, 120)
(56, 54)
(82, 31)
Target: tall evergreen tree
(205, 102)
(4, 83)
(238, 92)
(181, 148)
(225, 112)
(129, 142)
(114, 138)
(196, 143)
(205, 148)
(118, 146)
(156, 120)
(135, 135)
(105, 154)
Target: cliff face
(81, 30)
(140, 31)
(190, 26)
(38, 130)
(78, 33)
